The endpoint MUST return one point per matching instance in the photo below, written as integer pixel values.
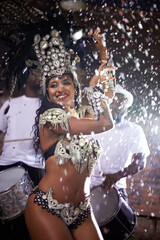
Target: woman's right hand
(100, 75)
(97, 76)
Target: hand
(96, 78)
(110, 180)
(100, 44)
(101, 74)
(99, 41)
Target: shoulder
(55, 116)
(5, 103)
(132, 126)
(17, 99)
(11, 104)
(12, 101)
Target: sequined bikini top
(81, 151)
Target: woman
(58, 208)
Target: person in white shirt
(124, 148)
(17, 117)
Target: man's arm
(138, 161)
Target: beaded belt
(71, 215)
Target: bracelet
(110, 84)
(94, 96)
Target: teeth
(62, 96)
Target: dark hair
(47, 104)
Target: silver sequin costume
(82, 151)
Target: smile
(62, 96)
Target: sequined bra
(81, 151)
(51, 151)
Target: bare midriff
(67, 183)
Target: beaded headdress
(53, 58)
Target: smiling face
(62, 90)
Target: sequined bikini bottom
(72, 216)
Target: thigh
(87, 230)
(43, 225)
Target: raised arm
(100, 44)
(104, 75)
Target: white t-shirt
(118, 145)
(17, 124)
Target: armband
(109, 83)
(94, 96)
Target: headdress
(53, 58)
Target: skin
(67, 183)
(56, 93)
(32, 86)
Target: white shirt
(17, 124)
(118, 145)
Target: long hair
(47, 104)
